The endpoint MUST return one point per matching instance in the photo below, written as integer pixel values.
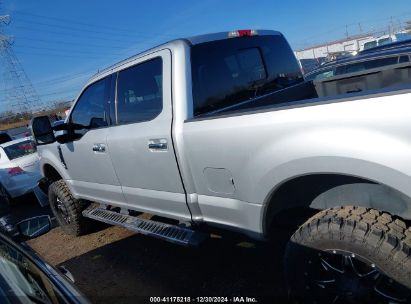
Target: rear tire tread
(387, 236)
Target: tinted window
(139, 92)
(372, 64)
(20, 149)
(321, 75)
(230, 71)
(90, 110)
(403, 59)
(384, 41)
(370, 44)
(311, 64)
(366, 65)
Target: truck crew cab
(223, 131)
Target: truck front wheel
(350, 255)
(67, 209)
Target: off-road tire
(77, 223)
(359, 235)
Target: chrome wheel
(62, 211)
(338, 276)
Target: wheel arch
(298, 198)
(51, 173)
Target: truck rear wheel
(350, 255)
(67, 209)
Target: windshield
(21, 280)
(20, 149)
(230, 71)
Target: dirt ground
(115, 265)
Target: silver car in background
(19, 167)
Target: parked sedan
(19, 167)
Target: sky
(60, 44)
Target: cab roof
(190, 41)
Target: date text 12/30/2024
(203, 300)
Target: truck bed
(364, 84)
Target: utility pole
(19, 94)
(400, 25)
(408, 26)
(359, 26)
(391, 27)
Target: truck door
(91, 172)
(140, 143)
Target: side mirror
(57, 124)
(42, 130)
(34, 227)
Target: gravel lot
(117, 265)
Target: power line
(69, 51)
(15, 76)
(71, 43)
(126, 33)
(85, 73)
(70, 34)
(53, 93)
(110, 28)
(53, 82)
(82, 30)
(55, 55)
(344, 28)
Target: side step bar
(172, 233)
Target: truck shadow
(135, 268)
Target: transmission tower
(19, 94)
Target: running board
(172, 233)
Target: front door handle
(99, 148)
(158, 144)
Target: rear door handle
(99, 148)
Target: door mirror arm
(64, 133)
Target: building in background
(314, 56)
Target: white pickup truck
(222, 132)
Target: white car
(19, 167)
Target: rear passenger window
(139, 92)
(403, 59)
(228, 72)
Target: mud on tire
(67, 209)
(350, 255)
